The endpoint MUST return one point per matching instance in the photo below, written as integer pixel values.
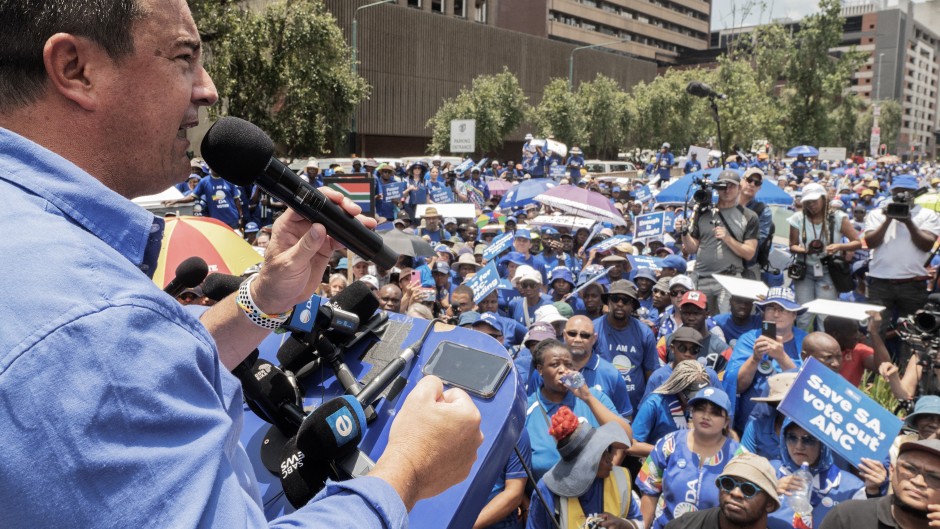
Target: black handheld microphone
(243, 154)
(219, 286)
(703, 90)
(189, 274)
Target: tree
(889, 122)
(815, 79)
(286, 68)
(601, 102)
(752, 111)
(496, 102)
(559, 115)
(845, 121)
(663, 111)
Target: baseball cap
(757, 470)
(522, 234)
(676, 262)
(682, 280)
(515, 257)
(488, 318)
(687, 334)
(370, 280)
(930, 446)
(812, 192)
(784, 297)
(729, 176)
(694, 297)
(538, 331)
(715, 396)
(526, 273)
(468, 318)
(564, 309)
(549, 314)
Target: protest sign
(441, 195)
(498, 245)
(645, 261)
(557, 172)
(609, 243)
(649, 225)
(669, 220)
(394, 190)
(464, 166)
(484, 281)
(643, 194)
(839, 414)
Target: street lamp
(571, 58)
(878, 81)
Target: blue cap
(784, 297)
(522, 234)
(715, 396)
(904, 181)
(441, 267)
(468, 318)
(645, 273)
(441, 248)
(675, 261)
(343, 264)
(548, 230)
(615, 189)
(490, 319)
(514, 257)
(561, 272)
(251, 227)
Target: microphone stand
(713, 103)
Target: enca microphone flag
(222, 248)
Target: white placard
(463, 135)
(832, 153)
(742, 288)
(563, 220)
(842, 309)
(458, 211)
(702, 153)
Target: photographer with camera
(724, 236)
(816, 235)
(900, 236)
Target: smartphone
(469, 369)
(415, 277)
(427, 294)
(768, 329)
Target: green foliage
(889, 122)
(880, 392)
(844, 121)
(664, 112)
(286, 68)
(602, 102)
(496, 102)
(560, 115)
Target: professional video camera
(921, 331)
(703, 195)
(901, 203)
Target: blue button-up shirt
(115, 408)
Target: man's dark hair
(538, 352)
(27, 25)
(462, 289)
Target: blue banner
(645, 261)
(484, 281)
(643, 194)
(649, 225)
(839, 414)
(499, 245)
(393, 191)
(669, 220)
(441, 195)
(464, 166)
(557, 172)
(609, 243)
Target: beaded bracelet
(259, 318)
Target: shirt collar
(129, 229)
(883, 511)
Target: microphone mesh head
(219, 286)
(192, 271)
(358, 299)
(237, 150)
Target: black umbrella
(405, 244)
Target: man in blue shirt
(143, 426)
(664, 163)
(799, 167)
(575, 163)
(692, 165)
(222, 199)
(625, 341)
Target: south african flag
(358, 190)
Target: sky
(732, 13)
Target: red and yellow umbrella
(223, 249)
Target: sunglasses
(728, 484)
(755, 182)
(620, 298)
(188, 297)
(677, 293)
(804, 440)
(907, 471)
(528, 284)
(686, 348)
(575, 334)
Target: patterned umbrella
(524, 193)
(583, 203)
(222, 248)
(806, 150)
(498, 187)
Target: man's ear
(73, 66)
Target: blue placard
(669, 220)
(484, 281)
(645, 261)
(498, 245)
(557, 172)
(464, 166)
(643, 194)
(839, 414)
(609, 243)
(394, 190)
(441, 195)
(649, 225)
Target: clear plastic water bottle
(799, 500)
(573, 379)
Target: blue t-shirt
(144, 418)
(517, 312)
(759, 436)
(538, 421)
(734, 331)
(742, 351)
(575, 163)
(662, 374)
(691, 166)
(219, 196)
(591, 501)
(631, 350)
(513, 470)
(600, 375)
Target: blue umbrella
(839, 171)
(524, 193)
(769, 193)
(805, 150)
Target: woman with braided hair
(666, 409)
(552, 359)
(585, 489)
